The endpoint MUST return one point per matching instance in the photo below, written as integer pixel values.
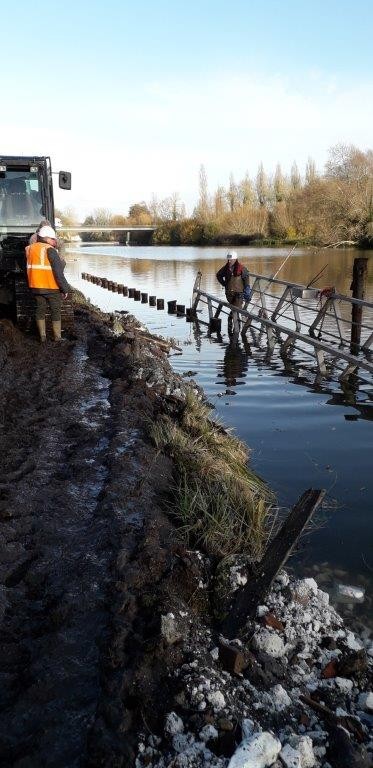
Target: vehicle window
(20, 199)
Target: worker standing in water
(46, 280)
(235, 278)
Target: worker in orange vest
(46, 280)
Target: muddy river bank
(107, 618)
(77, 500)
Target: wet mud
(77, 486)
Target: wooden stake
(359, 277)
(276, 555)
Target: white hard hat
(47, 232)
(232, 255)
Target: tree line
(317, 208)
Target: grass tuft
(218, 503)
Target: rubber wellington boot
(41, 328)
(56, 326)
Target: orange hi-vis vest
(39, 271)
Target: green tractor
(26, 197)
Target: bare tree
(154, 208)
(246, 191)
(295, 179)
(220, 202)
(232, 194)
(279, 184)
(262, 186)
(348, 163)
(203, 207)
(311, 172)
(171, 208)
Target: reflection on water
(278, 406)
(235, 361)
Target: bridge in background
(128, 230)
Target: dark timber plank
(278, 551)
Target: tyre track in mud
(59, 539)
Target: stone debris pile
(288, 693)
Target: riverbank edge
(170, 598)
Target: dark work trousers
(235, 298)
(53, 298)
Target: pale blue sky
(132, 98)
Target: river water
(302, 432)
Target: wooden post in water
(131, 293)
(137, 295)
(359, 277)
(180, 310)
(144, 298)
(215, 324)
(190, 314)
(171, 307)
(160, 303)
(152, 301)
(125, 290)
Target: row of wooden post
(173, 307)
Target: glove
(247, 293)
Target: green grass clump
(219, 504)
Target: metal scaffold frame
(278, 309)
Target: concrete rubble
(256, 717)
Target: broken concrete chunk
(366, 701)
(259, 751)
(169, 629)
(208, 732)
(323, 597)
(270, 642)
(279, 698)
(173, 724)
(304, 590)
(282, 579)
(352, 643)
(182, 741)
(248, 727)
(344, 684)
(290, 758)
(303, 745)
(217, 700)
